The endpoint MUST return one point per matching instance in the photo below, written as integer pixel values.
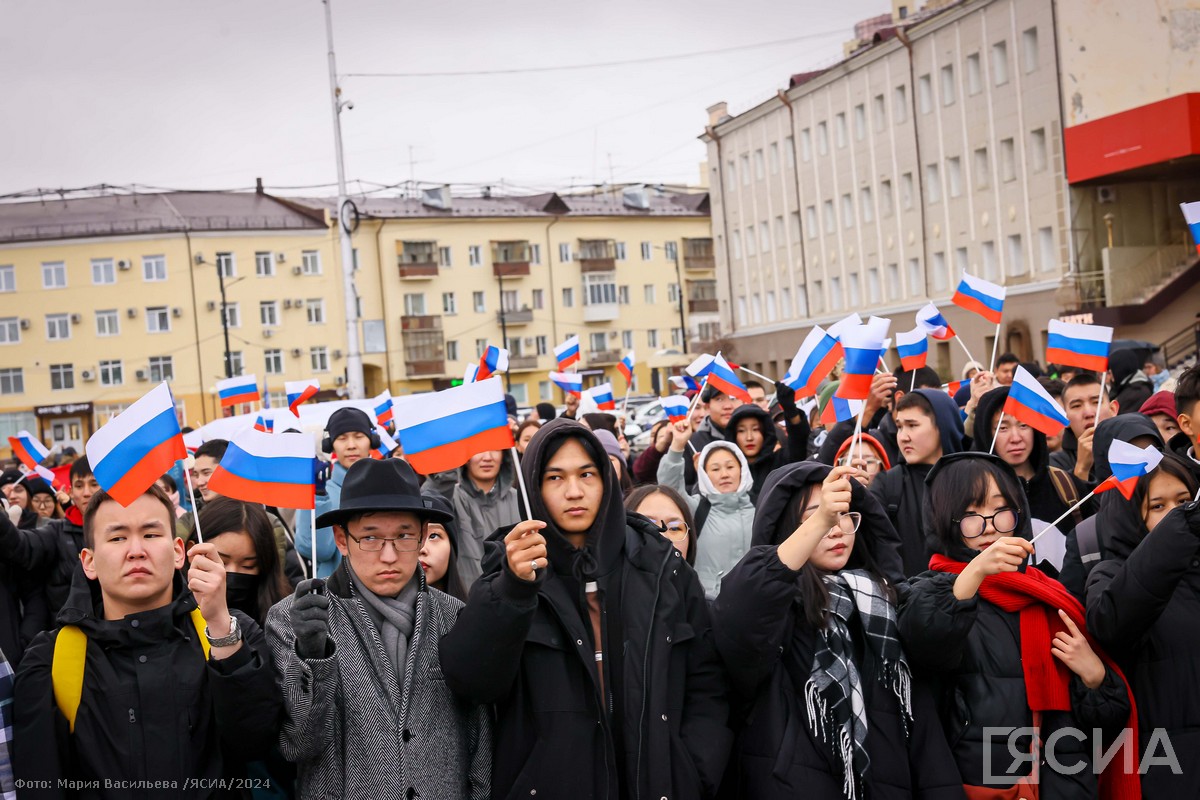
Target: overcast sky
(212, 94)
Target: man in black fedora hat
(366, 713)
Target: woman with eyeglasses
(1143, 604)
(667, 509)
(43, 500)
(1009, 645)
(806, 626)
(869, 458)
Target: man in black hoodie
(592, 638)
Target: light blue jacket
(328, 557)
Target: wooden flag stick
(964, 347)
(521, 482)
(995, 344)
(187, 476)
(992, 449)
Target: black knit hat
(546, 411)
(347, 420)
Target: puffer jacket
(49, 555)
(725, 536)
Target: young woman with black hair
(668, 509)
(806, 626)
(245, 540)
(1143, 604)
(1009, 644)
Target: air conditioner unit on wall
(296, 270)
(25, 324)
(281, 257)
(124, 265)
(287, 303)
(339, 381)
(336, 354)
(177, 312)
(76, 319)
(211, 305)
(296, 351)
(131, 312)
(87, 375)
(141, 375)
(268, 333)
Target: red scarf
(74, 516)
(1038, 597)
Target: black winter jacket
(767, 645)
(1144, 607)
(794, 445)
(50, 554)
(152, 708)
(660, 728)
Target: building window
(157, 319)
(867, 204)
(764, 237)
(810, 221)
(1016, 255)
(916, 284)
(741, 310)
(835, 293)
(847, 211)
(1047, 258)
(671, 250)
(773, 158)
(444, 257)
(620, 247)
(1000, 63)
(598, 342)
(62, 376)
(268, 313)
(103, 271)
(646, 254)
(925, 94)
(818, 297)
(535, 254)
(414, 304)
(54, 275)
(162, 368)
(237, 365)
(568, 297)
(315, 309)
(731, 175)
(264, 264)
(830, 218)
(954, 175)
(933, 183)
(10, 330)
(974, 75)
(58, 327)
(310, 262)
(479, 302)
(983, 168)
(8, 278)
(537, 299)
(673, 293)
(906, 191)
(233, 315)
(452, 350)
(948, 92)
(1029, 49)
(854, 289)
(474, 255)
(108, 322)
(885, 198)
(449, 303)
(564, 252)
(226, 267)
(758, 165)
(652, 339)
(860, 122)
(900, 104)
(1008, 161)
(839, 129)
(623, 295)
(540, 345)
(510, 300)
(780, 234)
(319, 358)
(961, 264)
(745, 167)
(12, 380)
(893, 281)
(273, 361)
(648, 293)
(789, 151)
(990, 269)
(874, 295)
(111, 373)
(599, 289)
(939, 271)
(735, 242)
(1037, 149)
(805, 145)
(879, 113)
(480, 346)
(822, 138)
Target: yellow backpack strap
(66, 670)
(199, 624)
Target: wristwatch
(233, 637)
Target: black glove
(786, 397)
(310, 619)
(322, 472)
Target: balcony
(510, 259)
(599, 357)
(424, 345)
(600, 312)
(1136, 283)
(417, 369)
(523, 316)
(702, 306)
(510, 269)
(698, 254)
(597, 255)
(522, 363)
(417, 260)
(420, 272)
(421, 322)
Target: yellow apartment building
(101, 297)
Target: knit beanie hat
(347, 420)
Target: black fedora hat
(387, 485)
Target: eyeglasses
(674, 531)
(848, 521)
(404, 543)
(869, 465)
(40, 500)
(972, 526)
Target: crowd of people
(758, 605)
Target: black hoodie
(1143, 605)
(460, 572)
(1131, 388)
(795, 448)
(527, 647)
(768, 645)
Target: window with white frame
(10, 330)
(510, 300)
(646, 251)
(954, 175)
(319, 358)
(564, 252)
(1016, 255)
(925, 94)
(866, 204)
(933, 183)
(264, 264)
(839, 129)
(764, 237)
(974, 75)
(854, 290)
(730, 175)
(54, 275)
(649, 294)
(916, 282)
(758, 165)
(627, 340)
(780, 234)
(620, 251)
(8, 278)
(983, 168)
(108, 322)
(535, 253)
(315, 309)
(568, 297)
(949, 92)
(537, 299)
(1047, 256)
(268, 313)
(474, 255)
(62, 377)
(810, 221)
(991, 268)
(745, 166)
(961, 262)
(822, 138)
(1029, 49)
(892, 278)
(900, 104)
(1000, 63)
(12, 380)
(847, 211)
(1037, 149)
(652, 339)
(233, 315)
(598, 342)
(885, 198)
(830, 218)
(237, 364)
(623, 295)
(772, 309)
(673, 293)
(449, 304)
(414, 304)
(310, 262)
(111, 373)
(773, 158)
(480, 346)
(805, 145)
(444, 257)
(789, 151)
(939, 271)
(162, 368)
(452, 350)
(226, 266)
(906, 191)
(671, 250)
(741, 310)
(879, 113)
(1008, 160)
(273, 361)
(874, 291)
(599, 289)
(58, 327)
(785, 302)
(860, 122)
(479, 302)
(540, 345)
(835, 293)
(103, 271)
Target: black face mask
(241, 592)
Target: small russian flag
(1191, 215)
(1128, 464)
(386, 444)
(701, 366)
(913, 347)
(626, 367)
(1082, 346)
(675, 407)
(494, 360)
(440, 431)
(846, 323)
(953, 386)
(471, 373)
(42, 472)
(686, 382)
(26, 447)
(602, 393)
(137, 446)
(384, 409)
(863, 346)
(839, 410)
(264, 425)
(1033, 405)
(980, 297)
(272, 470)
(569, 382)
(934, 323)
(299, 392)
(816, 358)
(722, 377)
(242, 389)
(567, 353)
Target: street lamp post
(225, 320)
(503, 323)
(674, 253)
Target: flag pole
(995, 344)
(187, 476)
(313, 533)
(692, 407)
(1065, 514)
(964, 347)
(912, 385)
(625, 402)
(758, 375)
(521, 482)
(992, 449)
(1100, 400)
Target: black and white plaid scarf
(833, 695)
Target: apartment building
(872, 185)
(101, 297)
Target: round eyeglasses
(674, 530)
(972, 526)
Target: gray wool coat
(356, 729)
